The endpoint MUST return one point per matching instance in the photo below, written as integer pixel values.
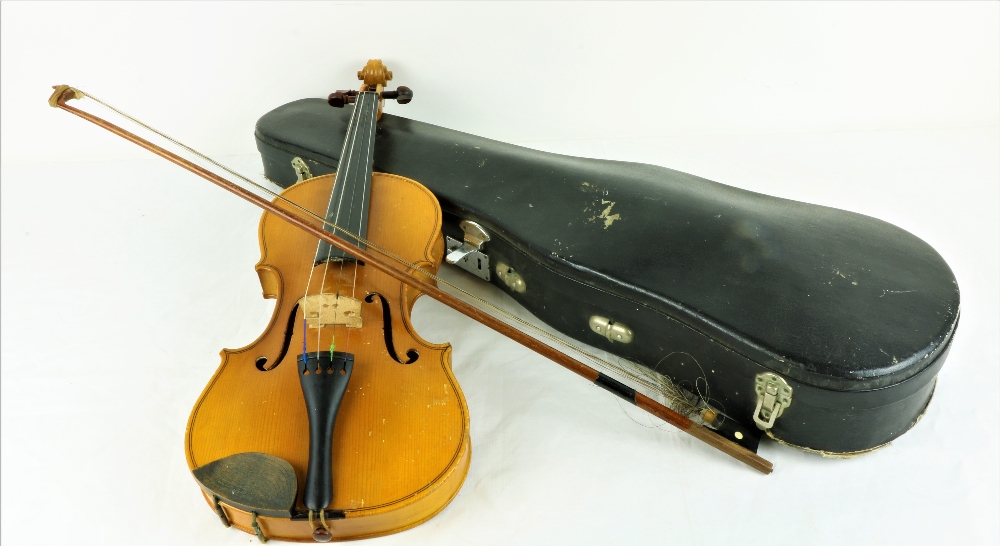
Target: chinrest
(253, 482)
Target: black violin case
(826, 328)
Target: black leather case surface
(718, 284)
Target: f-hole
(411, 354)
(261, 361)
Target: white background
(123, 276)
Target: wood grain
(401, 443)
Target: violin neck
(349, 201)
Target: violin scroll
(375, 73)
(375, 76)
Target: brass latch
(302, 171)
(613, 331)
(774, 394)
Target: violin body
(401, 446)
(823, 328)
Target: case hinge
(774, 394)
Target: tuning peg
(402, 94)
(338, 99)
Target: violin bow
(63, 93)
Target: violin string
(361, 107)
(343, 171)
(370, 125)
(346, 161)
(347, 154)
(661, 384)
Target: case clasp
(475, 237)
(302, 171)
(468, 254)
(774, 394)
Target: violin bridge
(331, 310)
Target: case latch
(468, 254)
(475, 236)
(774, 394)
(302, 171)
(613, 331)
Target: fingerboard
(349, 200)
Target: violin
(384, 423)
(340, 422)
